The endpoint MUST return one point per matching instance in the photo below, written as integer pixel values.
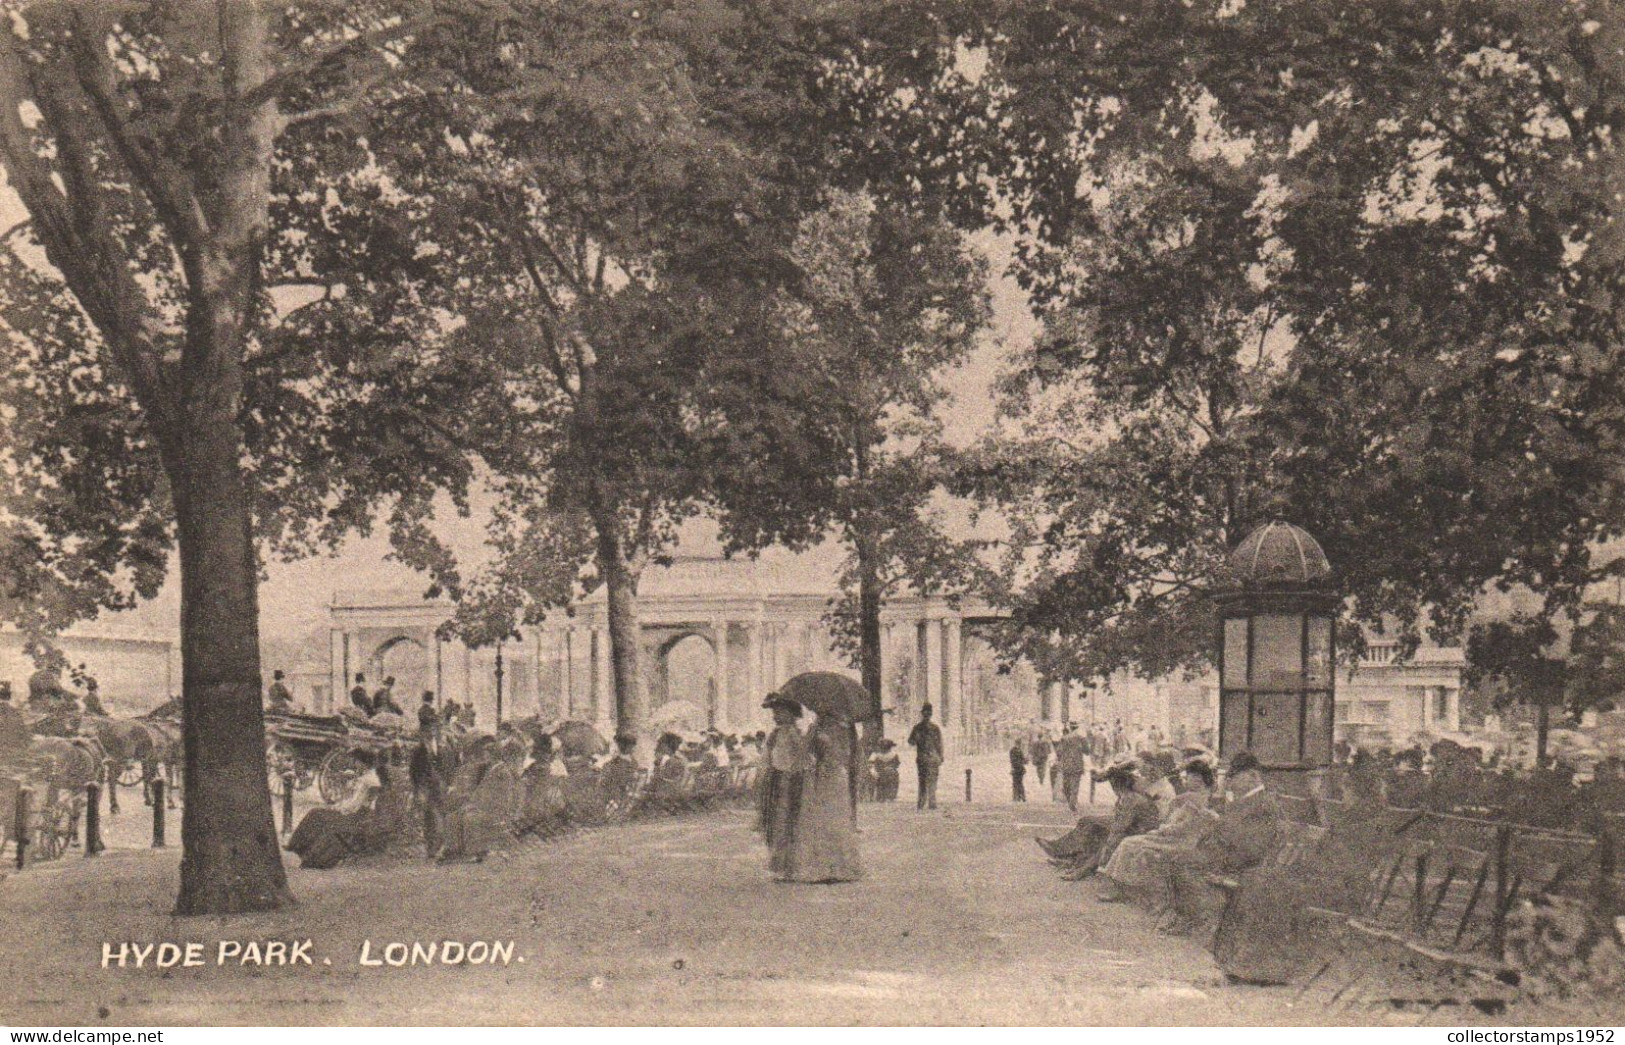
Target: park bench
(1301, 836)
(1444, 889)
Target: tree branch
(165, 185)
(303, 70)
(68, 222)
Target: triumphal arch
(718, 635)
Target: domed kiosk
(1276, 650)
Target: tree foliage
(1410, 210)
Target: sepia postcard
(1091, 513)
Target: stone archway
(685, 677)
(409, 661)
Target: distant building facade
(135, 669)
(718, 635)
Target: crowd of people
(1448, 777)
(462, 794)
(1171, 832)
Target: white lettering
(194, 956)
(300, 952)
(366, 954)
(228, 949)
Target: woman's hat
(775, 700)
(1123, 767)
(1243, 761)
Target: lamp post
(1276, 651)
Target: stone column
(933, 669)
(781, 654)
(888, 699)
(753, 663)
(719, 670)
(337, 685)
(567, 682)
(603, 685)
(953, 692)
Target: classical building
(718, 635)
(135, 668)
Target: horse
(151, 744)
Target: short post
(1498, 924)
(287, 804)
(158, 813)
(19, 828)
(967, 784)
(112, 786)
(93, 818)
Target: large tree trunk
(870, 664)
(231, 860)
(620, 578)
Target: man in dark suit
(359, 696)
(1070, 758)
(1247, 833)
(926, 740)
(1018, 772)
(278, 698)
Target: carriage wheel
(336, 778)
(52, 830)
(132, 774)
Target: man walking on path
(1018, 772)
(1038, 752)
(926, 740)
(1069, 762)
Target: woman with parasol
(779, 799)
(823, 846)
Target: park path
(958, 921)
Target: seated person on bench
(1247, 833)
(1093, 841)
(1138, 866)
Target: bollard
(112, 788)
(93, 818)
(158, 813)
(19, 828)
(967, 784)
(287, 804)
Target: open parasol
(576, 739)
(829, 695)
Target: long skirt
(824, 846)
(1263, 936)
(486, 817)
(780, 810)
(325, 836)
(1141, 864)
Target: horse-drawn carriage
(52, 773)
(326, 751)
